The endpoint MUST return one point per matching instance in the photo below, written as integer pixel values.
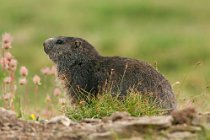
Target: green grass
(105, 105)
(173, 34)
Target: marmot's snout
(48, 44)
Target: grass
(105, 105)
(172, 34)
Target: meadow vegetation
(105, 105)
(171, 35)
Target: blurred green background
(172, 35)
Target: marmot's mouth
(53, 57)
(46, 50)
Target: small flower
(13, 64)
(23, 81)
(7, 96)
(7, 80)
(45, 71)
(7, 38)
(23, 71)
(49, 71)
(8, 56)
(7, 46)
(32, 117)
(37, 80)
(57, 92)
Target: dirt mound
(118, 126)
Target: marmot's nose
(45, 47)
(48, 44)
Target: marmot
(83, 69)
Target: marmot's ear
(77, 43)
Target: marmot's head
(69, 48)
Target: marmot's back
(130, 74)
(81, 67)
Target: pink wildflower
(57, 92)
(7, 96)
(45, 71)
(7, 80)
(8, 56)
(23, 71)
(23, 81)
(6, 46)
(13, 64)
(37, 80)
(7, 40)
(48, 70)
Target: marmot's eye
(77, 43)
(59, 41)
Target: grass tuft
(105, 104)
